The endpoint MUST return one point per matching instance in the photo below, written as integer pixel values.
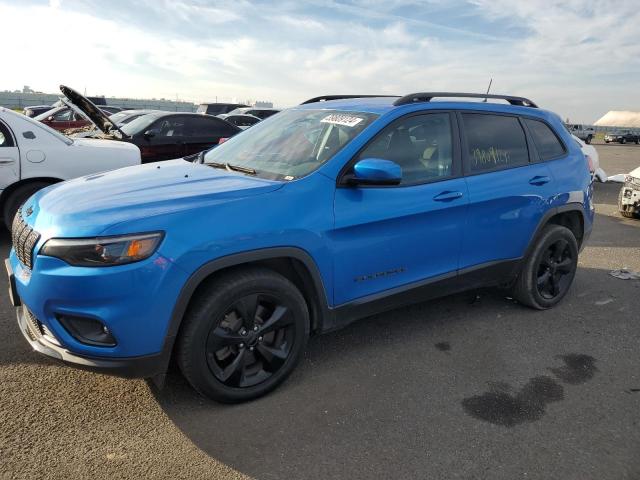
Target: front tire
(17, 198)
(588, 140)
(549, 269)
(243, 335)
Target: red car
(63, 118)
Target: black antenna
(488, 88)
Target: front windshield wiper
(231, 168)
(239, 168)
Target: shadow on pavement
(382, 399)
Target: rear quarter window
(494, 142)
(547, 142)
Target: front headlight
(103, 251)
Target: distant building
(20, 100)
(263, 104)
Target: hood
(89, 205)
(115, 146)
(87, 107)
(635, 173)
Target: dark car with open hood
(159, 135)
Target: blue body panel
(363, 241)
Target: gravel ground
(471, 386)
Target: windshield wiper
(232, 168)
(238, 168)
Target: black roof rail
(427, 96)
(324, 98)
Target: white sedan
(33, 156)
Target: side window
(494, 142)
(206, 127)
(64, 115)
(421, 145)
(546, 141)
(6, 140)
(170, 127)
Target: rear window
(494, 142)
(547, 143)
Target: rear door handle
(447, 196)
(539, 180)
(6, 161)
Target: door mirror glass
(376, 171)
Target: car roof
(382, 105)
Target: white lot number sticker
(339, 119)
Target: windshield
(140, 124)
(291, 144)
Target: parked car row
(625, 136)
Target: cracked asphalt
(472, 386)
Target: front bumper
(630, 197)
(42, 340)
(135, 367)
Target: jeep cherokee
(325, 213)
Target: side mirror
(50, 118)
(150, 133)
(375, 171)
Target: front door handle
(6, 161)
(447, 196)
(539, 180)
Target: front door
(166, 139)
(396, 236)
(9, 158)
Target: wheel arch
(6, 193)
(570, 215)
(293, 263)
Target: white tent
(620, 118)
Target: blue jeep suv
(331, 211)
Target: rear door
(203, 132)
(397, 236)
(9, 157)
(509, 192)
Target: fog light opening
(89, 331)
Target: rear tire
(243, 335)
(623, 212)
(549, 270)
(623, 141)
(588, 140)
(17, 198)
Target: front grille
(24, 238)
(37, 329)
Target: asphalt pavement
(473, 386)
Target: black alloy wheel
(555, 270)
(243, 334)
(251, 342)
(549, 268)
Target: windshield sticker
(339, 119)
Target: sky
(579, 58)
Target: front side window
(421, 145)
(494, 142)
(170, 127)
(293, 143)
(546, 141)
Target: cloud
(579, 58)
